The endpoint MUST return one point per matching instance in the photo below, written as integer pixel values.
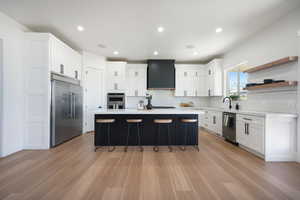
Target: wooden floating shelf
(273, 64)
(273, 85)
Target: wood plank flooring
(73, 171)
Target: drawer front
(251, 119)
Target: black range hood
(161, 75)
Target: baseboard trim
(252, 151)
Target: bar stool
(160, 122)
(137, 123)
(108, 122)
(186, 123)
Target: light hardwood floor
(74, 171)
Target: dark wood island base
(149, 130)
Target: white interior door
(94, 93)
(1, 92)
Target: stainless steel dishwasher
(229, 127)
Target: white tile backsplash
(283, 101)
(167, 98)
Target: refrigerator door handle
(71, 105)
(74, 106)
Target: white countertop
(247, 112)
(149, 112)
(192, 110)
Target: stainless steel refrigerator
(66, 109)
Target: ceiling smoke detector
(190, 46)
(101, 46)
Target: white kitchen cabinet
(212, 120)
(136, 80)
(115, 77)
(189, 79)
(200, 119)
(213, 83)
(206, 119)
(215, 122)
(63, 59)
(199, 80)
(250, 132)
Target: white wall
(274, 42)
(93, 60)
(12, 85)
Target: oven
(115, 100)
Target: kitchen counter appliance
(229, 127)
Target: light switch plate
(299, 33)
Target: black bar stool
(137, 123)
(186, 123)
(107, 122)
(160, 122)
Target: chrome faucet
(229, 98)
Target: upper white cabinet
(136, 80)
(250, 132)
(190, 80)
(199, 80)
(64, 60)
(115, 77)
(214, 79)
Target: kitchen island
(118, 130)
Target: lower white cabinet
(250, 132)
(212, 120)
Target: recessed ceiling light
(219, 30)
(160, 29)
(116, 52)
(195, 53)
(155, 53)
(80, 28)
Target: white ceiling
(130, 26)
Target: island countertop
(147, 112)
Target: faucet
(230, 106)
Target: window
(236, 82)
